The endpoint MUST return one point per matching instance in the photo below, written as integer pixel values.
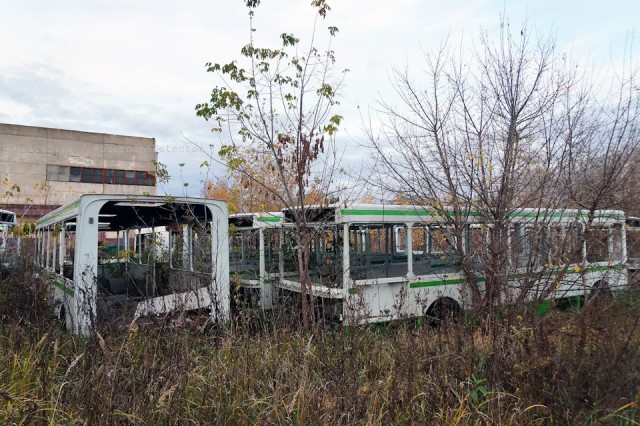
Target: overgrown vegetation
(276, 107)
(568, 367)
(504, 125)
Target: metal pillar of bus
(347, 284)
(85, 271)
(221, 290)
(266, 297)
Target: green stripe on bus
(445, 265)
(64, 288)
(396, 213)
(62, 212)
(606, 268)
(352, 212)
(543, 307)
(269, 219)
(568, 215)
(442, 282)
(423, 284)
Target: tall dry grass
(567, 367)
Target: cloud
(137, 68)
(42, 95)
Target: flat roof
(53, 132)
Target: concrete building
(42, 168)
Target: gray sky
(136, 67)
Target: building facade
(43, 168)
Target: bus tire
(62, 317)
(443, 311)
(600, 294)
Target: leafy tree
(279, 103)
(245, 195)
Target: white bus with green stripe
(108, 258)
(400, 261)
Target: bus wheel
(63, 317)
(600, 294)
(443, 311)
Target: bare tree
(602, 145)
(494, 129)
(279, 103)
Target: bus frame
(367, 297)
(252, 278)
(76, 285)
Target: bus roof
(256, 220)
(395, 213)
(117, 210)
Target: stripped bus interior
(367, 263)
(254, 256)
(127, 257)
(408, 251)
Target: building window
(75, 174)
(99, 175)
(130, 177)
(58, 173)
(87, 175)
(149, 179)
(119, 177)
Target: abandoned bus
(9, 246)
(382, 262)
(115, 258)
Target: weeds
(564, 368)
